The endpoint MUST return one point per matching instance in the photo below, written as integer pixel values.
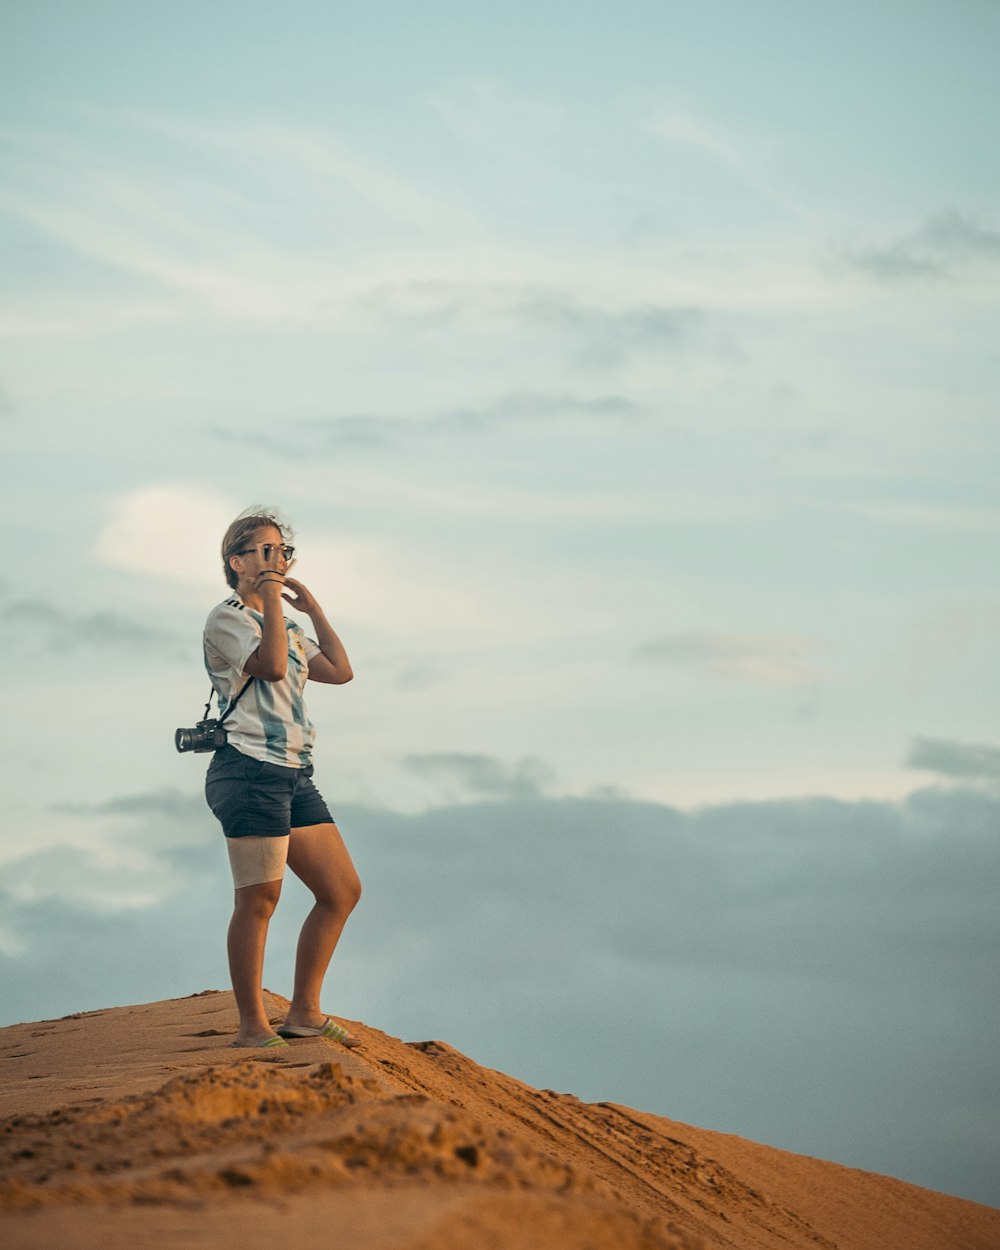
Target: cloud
(761, 659)
(684, 130)
(100, 882)
(25, 620)
(484, 775)
(410, 671)
(327, 436)
(597, 335)
(487, 114)
(191, 209)
(810, 973)
(128, 852)
(955, 759)
(936, 248)
(369, 431)
(532, 408)
(606, 337)
(95, 930)
(169, 803)
(959, 236)
(314, 157)
(419, 675)
(167, 530)
(481, 110)
(956, 518)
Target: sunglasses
(268, 549)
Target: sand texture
(140, 1125)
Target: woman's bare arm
(270, 661)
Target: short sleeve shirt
(270, 721)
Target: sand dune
(140, 1124)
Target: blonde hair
(242, 531)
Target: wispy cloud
(487, 113)
(327, 160)
(956, 517)
(257, 222)
(532, 407)
(111, 208)
(203, 217)
(607, 337)
(598, 333)
(939, 247)
(363, 432)
(760, 659)
(730, 153)
(418, 674)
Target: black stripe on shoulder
(234, 603)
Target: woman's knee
(354, 890)
(259, 900)
(343, 895)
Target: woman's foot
(317, 1025)
(266, 1042)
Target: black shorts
(254, 798)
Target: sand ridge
(144, 1118)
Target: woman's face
(262, 551)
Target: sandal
(329, 1028)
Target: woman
(260, 784)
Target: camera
(207, 735)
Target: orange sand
(140, 1125)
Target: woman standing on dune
(259, 784)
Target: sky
(629, 376)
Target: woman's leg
(318, 856)
(255, 905)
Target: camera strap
(229, 710)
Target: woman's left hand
(300, 598)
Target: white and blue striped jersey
(270, 721)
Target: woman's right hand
(270, 661)
(271, 579)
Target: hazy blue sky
(630, 375)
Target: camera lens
(184, 739)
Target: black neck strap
(229, 710)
